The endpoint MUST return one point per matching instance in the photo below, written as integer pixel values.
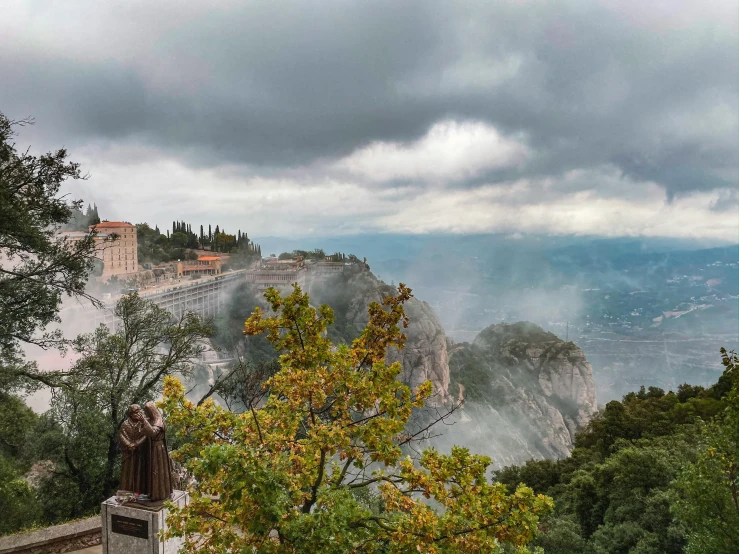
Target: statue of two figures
(145, 467)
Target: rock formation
(425, 354)
(526, 392)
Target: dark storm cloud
(648, 87)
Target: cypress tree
(174, 227)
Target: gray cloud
(293, 88)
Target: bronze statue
(132, 441)
(145, 468)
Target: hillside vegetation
(653, 473)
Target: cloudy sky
(338, 117)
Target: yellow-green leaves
(294, 475)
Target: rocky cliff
(425, 354)
(526, 392)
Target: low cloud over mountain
(575, 117)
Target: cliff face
(425, 354)
(526, 392)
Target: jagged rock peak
(563, 370)
(525, 388)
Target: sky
(333, 118)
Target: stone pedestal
(134, 528)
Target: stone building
(328, 268)
(278, 273)
(116, 247)
(204, 265)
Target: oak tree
(38, 266)
(320, 467)
(115, 368)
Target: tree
(179, 240)
(18, 503)
(707, 496)
(320, 467)
(38, 266)
(655, 473)
(93, 218)
(115, 369)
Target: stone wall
(67, 537)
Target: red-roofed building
(205, 265)
(120, 255)
(115, 245)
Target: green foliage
(15, 419)
(706, 490)
(318, 255)
(178, 240)
(74, 437)
(282, 477)
(79, 434)
(18, 504)
(155, 247)
(38, 266)
(654, 473)
(646, 414)
(561, 535)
